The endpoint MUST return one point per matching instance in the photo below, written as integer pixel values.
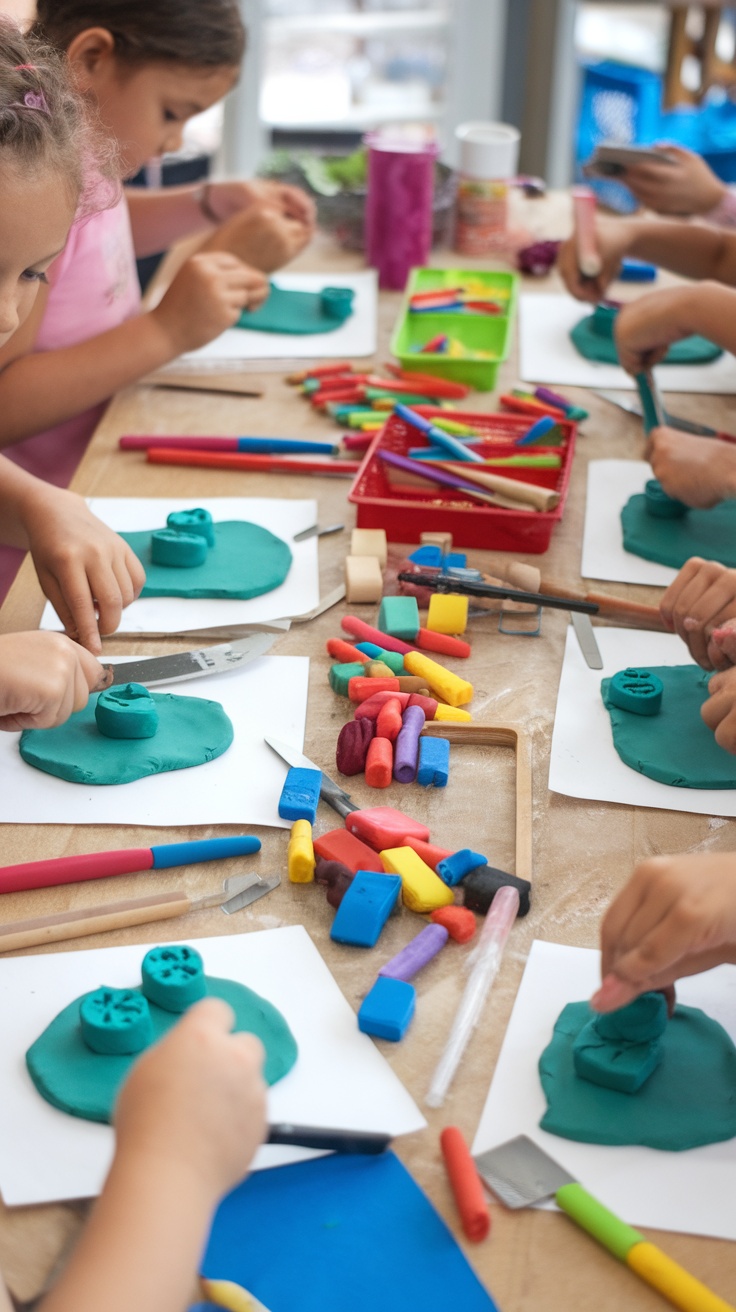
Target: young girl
(43, 131)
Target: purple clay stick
(407, 963)
(406, 747)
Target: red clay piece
(388, 724)
(366, 633)
(466, 1184)
(345, 653)
(379, 763)
(428, 704)
(458, 921)
(360, 688)
(341, 845)
(336, 878)
(373, 705)
(431, 855)
(442, 642)
(352, 745)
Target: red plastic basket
(405, 512)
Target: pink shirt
(94, 286)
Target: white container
(488, 150)
(489, 154)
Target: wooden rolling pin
(530, 494)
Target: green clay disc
(707, 533)
(614, 1065)
(297, 312)
(197, 521)
(176, 550)
(687, 1101)
(85, 1084)
(115, 1021)
(127, 711)
(246, 561)
(191, 732)
(173, 976)
(600, 347)
(637, 691)
(659, 504)
(643, 1019)
(675, 747)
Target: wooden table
(583, 852)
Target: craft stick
(93, 920)
(252, 464)
(615, 609)
(542, 498)
(589, 260)
(227, 386)
(466, 1184)
(420, 471)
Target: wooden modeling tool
(236, 893)
(228, 385)
(589, 260)
(419, 470)
(521, 1174)
(541, 498)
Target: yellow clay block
(421, 889)
(453, 713)
(300, 856)
(448, 613)
(369, 542)
(443, 683)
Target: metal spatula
(520, 1174)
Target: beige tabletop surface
(583, 852)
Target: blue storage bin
(620, 104)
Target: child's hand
(226, 199)
(680, 185)
(44, 677)
(197, 1099)
(676, 916)
(613, 238)
(701, 599)
(81, 564)
(695, 470)
(262, 236)
(646, 328)
(719, 711)
(206, 297)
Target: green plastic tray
(474, 331)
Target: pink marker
(589, 260)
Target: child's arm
(40, 390)
(44, 678)
(682, 184)
(188, 1121)
(676, 916)
(692, 251)
(160, 217)
(82, 565)
(696, 470)
(647, 327)
(700, 600)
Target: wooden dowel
(94, 920)
(542, 498)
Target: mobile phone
(610, 160)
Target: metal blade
(520, 1173)
(623, 403)
(316, 532)
(674, 421)
(326, 603)
(263, 885)
(235, 884)
(153, 670)
(331, 792)
(587, 640)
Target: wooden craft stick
(542, 498)
(94, 920)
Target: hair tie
(32, 100)
(18, 67)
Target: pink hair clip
(32, 100)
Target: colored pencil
(251, 464)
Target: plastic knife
(153, 670)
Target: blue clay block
(399, 616)
(365, 908)
(454, 868)
(300, 795)
(369, 649)
(387, 1009)
(455, 560)
(429, 555)
(173, 977)
(434, 762)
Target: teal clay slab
(300, 312)
(707, 533)
(85, 1083)
(598, 345)
(246, 561)
(688, 1101)
(675, 747)
(191, 731)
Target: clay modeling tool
(521, 1174)
(365, 1142)
(431, 475)
(652, 407)
(541, 498)
(237, 892)
(673, 421)
(436, 435)
(587, 640)
(154, 670)
(315, 531)
(483, 962)
(187, 383)
(379, 826)
(254, 464)
(128, 861)
(589, 260)
(269, 445)
(449, 583)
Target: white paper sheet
(610, 484)
(356, 337)
(693, 1192)
(340, 1079)
(241, 787)
(583, 759)
(548, 356)
(298, 593)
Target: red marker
(466, 1185)
(251, 464)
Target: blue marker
(454, 449)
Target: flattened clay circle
(245, 561)
(191, 731)
(85, 1084)
(686, 1102)
(675, 747)
(595, 345)
(707, 533)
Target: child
(188, 1121)
(700, 606)
(145, 68)
(43, 132)
(676, 916)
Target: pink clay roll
(388, 724)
